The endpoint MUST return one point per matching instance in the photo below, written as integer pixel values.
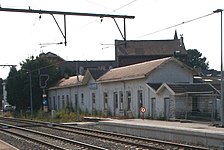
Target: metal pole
(77, 86)
(65, 30)
(222, 100)
(221, 84)
(65, 13)
(31, 97)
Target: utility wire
(124, 6)
(98, 4)
(37, 70)
(175, 25)
(109, 12)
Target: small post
(142, 110)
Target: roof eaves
(65, 86)
(215, 88)
(121, 79)
(151, 88)
(164, 85)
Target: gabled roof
(94, 73)
(181, 88)
(154, 86)
(67, 82)
(97, 73)
(137, 71)
(150, 47)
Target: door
(116, 111)
(166, 107)
(140, 102)
(153, 108)
(93, 103)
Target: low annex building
(184, 101)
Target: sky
(23, 35)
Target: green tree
(195, 59)
(18, 82)
(14, 86)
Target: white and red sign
(143, 109)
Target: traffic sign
(143, 109)
(44, 102)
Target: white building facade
(121, 91)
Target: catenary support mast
(71, 14)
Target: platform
(180, 131)
(6, 146)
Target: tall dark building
(135, 51)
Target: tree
(195, 59)
(18, 82)
(12, 86)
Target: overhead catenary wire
(172, 26)
(95, 20)
(38, 69)
(124, 6)
(176, 25)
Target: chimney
(175, 35)
(181, 41)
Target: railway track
(45, 139)
(130, 142)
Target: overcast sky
(21, 34)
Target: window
(67, 100)
(55, 106)
(59, 102)
(195, 104)
(121, 100)
(93, 98)
(82, 98)
(105, 97)
(129, 100)
(63, 102)
(76, 100)
(115, 100)
(140, 98)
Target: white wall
(133, 86)
(171, 73)
(71, 92)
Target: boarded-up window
(129, 100)
(140, 98)
(121, 100)
(105, 97)
(82, 98)
(115, 99)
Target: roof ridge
(146, 62)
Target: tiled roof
(67, 82)
(149, 47)
(139, 70)
(192, 88)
